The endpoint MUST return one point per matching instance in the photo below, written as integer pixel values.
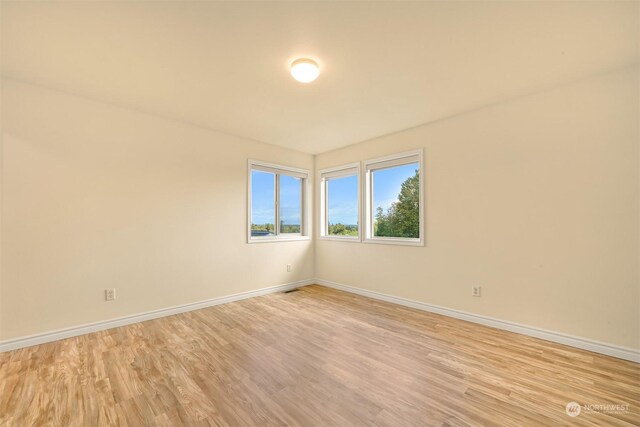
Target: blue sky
(290, 188)
(262, 198)
(343, 195)
(387, 184)
(343, 200)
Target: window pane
(396, 201)
(290, 204)
(263, 203)
(342, 206)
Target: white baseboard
(573, 341)
(59, 334)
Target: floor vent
(290, 290)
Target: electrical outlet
(110, 294)
(475, 290)
(288, 268)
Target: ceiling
(385, 66)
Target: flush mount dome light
(305, 70)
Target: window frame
(324, 176)
(277, 170)
(369, 166)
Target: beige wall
(536, 200)
(98, 197)
(1, 197)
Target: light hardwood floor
(316, 356)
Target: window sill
(352, 239)
(392, 241)
(279, 239)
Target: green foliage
(263, 227)
(402, 219)
(289, 228)
(260, 229)
(343, 230)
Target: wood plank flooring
(314, 357)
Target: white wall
(535, 199)
(97, 196)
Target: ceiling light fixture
(305, 70)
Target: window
(290, 205)
(340, 203)
(277, 199)
(393, 199)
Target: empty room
(319, 213)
